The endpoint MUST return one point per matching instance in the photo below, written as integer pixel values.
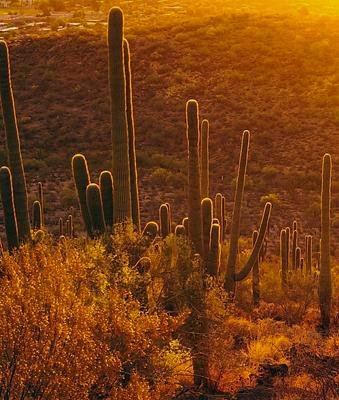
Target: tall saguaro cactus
(255, 275)
(325, 281)
(207, 217)
(284, 258)
(131, 139)
(164, 219)
(37, 215)
(213, 259)
(194, 194)
(231, 275)
(82, 179)
(13, 145)
(204, 158)
(6, 191)
(120, 139)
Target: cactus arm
(256, 249)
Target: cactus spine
(231, 275)
(37, 215)
(207, 216)
(94, 204)
(255, 275)
(120, 140)
(284, 258)
(6, 191)
(131, 139)
(82, 179)
(204, 157)
(13, 146)
(194, 196)
(106, 189)
(325, 281)
(213, 259)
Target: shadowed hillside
(275, 75)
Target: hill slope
(275, 75)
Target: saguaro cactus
(131, 139)
(231, 275)
(325, 281)
(255, 275)
(194, 196)
(309, 250)
(219, 213)
(41, 200)
(207, 216)
(96, 212)
(204, 157)
(284, 258)
(151, 230)
(297, 261)
(179, 230)
(82, 179)
(294, 246)
(120, 139)
(213, 259)
(37, 215)
(185, 223)
(288, 241)
(164, 220)
(106, 189)
(13, 145)
(6, 191)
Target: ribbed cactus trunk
(294, 247)
(41, 200)
(194, 195)
(204, 157)
(325, 281)
(6, 191)
(297, 261)
(219, 213)
(284, 258)
(255, 275)
(106, 189)
(61, 227)
(288, 241)
(13, 146)
(120, 139)
(164, 219)
(96, 212)
(236, 216)
(131, 139)
(37, 215)
(207, 217)
(213, 259)
(309, 251)
(82, 179)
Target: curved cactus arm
(239, 276)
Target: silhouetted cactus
(42, 201)
(294, 246)
(213, 259)
(96, 212)
(255, 275)
(37, 215)
(61, 227)
(151, 230)
(297, 258)
(309, 250)
(164, 220)
(70, 227)
(120, 140)
(13, 146)
(185, 223)
(170, 223)
(204, 157)
(180, 230)
(295, 226)
(207, 216)
(106, 189)
(219, 213)
(284, 258)
(194, 195)
(325, 280)
(82, 179)
(131, 139)
(6, 191)
(288, 245)
(231, 275)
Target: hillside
(276, 75)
